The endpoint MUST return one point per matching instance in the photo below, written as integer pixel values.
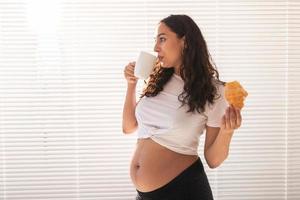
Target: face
(168, 46)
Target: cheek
(175, 54)
(172, 53)
(175, 48)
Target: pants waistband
(196, 167)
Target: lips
(160, 58)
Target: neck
(176, 71)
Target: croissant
(235, 94)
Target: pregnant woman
(182, 98)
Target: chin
(165, 66)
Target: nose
(156, 47)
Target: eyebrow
(159, 35)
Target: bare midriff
(153, 165)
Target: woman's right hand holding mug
(129, 73)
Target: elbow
(129, 125)
(213, 165)
(213, 162)
(129, 130)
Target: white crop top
(163, 120)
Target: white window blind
(62, 92)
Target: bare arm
(216, 146)
(129, 122)
(218, 140)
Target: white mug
(144, 65)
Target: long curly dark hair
(197, 69)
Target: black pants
(191, 184)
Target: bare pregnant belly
(153, 165)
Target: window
(62, 91)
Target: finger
(132, 70)
(129, 71)
(129, 75)
(232, 117)
(239, 117)
(129, 68)
(132, 64)
(227, 118)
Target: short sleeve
(216, 111)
